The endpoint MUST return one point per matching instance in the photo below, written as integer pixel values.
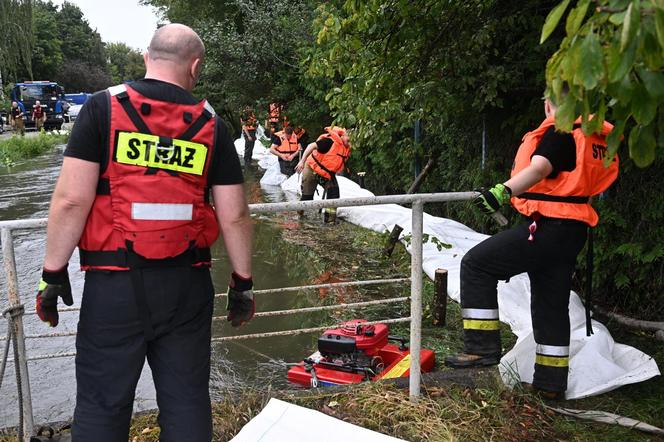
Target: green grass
(18, 148)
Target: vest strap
(125, 102)
(554, 198)
(197, 125)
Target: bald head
(175, 55)
(175, 43)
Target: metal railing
(415, 318)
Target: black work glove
(241, 305)
(53, 284)
(490, 200)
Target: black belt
(554, 198)
(126, 258)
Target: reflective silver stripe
(552, 350)
(479, 313)
(161, 211)
(209, 107)
(114, 90)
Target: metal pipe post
(416, 298)
(20, 360)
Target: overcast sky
(119, 20)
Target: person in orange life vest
(287, 149)
(248, 122)
(321, 161)
(133, 193)
(553, 178)
(38, 115)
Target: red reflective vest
(152, 196)
(333, 161)
(37, 111)
(287, 146)
(568, 194)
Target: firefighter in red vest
(134, 195)
(320, 164)
(38, 115)
(286, 146)
(553, 179)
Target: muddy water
(279, 261)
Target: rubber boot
(467, 360)
(330, 215)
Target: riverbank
(18, 147)
(467, 405)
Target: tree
(15, 41)
(47, 54)
(78, 76)
(79, 41)
(254, 49)
(612, 61)
(124, 62)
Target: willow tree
(15, 38)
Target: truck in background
(51, 97)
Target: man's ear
(196, 67)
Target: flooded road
(279, 261)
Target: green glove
(489, 201)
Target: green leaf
(576, 16)
(566, 114)
(590, 66)
(642, 145)
(644, 106)
(619, 64)
(614, 139)
(552, 20)
(659, 25)
(630, 25)
(618, 18)
(653, 81)
(651, 51)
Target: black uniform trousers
(111, 349)
(249, 146)
(549, 261)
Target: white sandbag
(597, 363)
(273, 175)
(280, 421)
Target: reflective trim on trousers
(479, 324)
(479, 313)
(552, 350)
(552, 361)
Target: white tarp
(283, 422)
(597, 363)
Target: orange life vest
(152, 197)
(287, 146)
(333, 161)
(568, 194)
(299, 132)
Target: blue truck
(51, 97)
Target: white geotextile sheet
(280, 421)
(597, 363)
